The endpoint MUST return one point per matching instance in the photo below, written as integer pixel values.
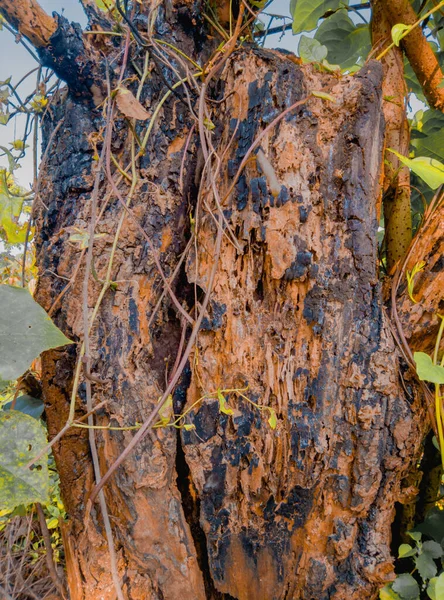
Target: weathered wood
(234, 509)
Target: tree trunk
(232, 508)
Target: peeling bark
(234, 509)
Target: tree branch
(419, 52)
(29, 19)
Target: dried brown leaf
(129, 105)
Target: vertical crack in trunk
(191, 509)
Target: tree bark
(234, 508)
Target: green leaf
(25, 331)
(310, 50)
(415, 535)
(426, 566)
(324, 96)
(405, 550)
(52, 523)
(166, 411)
(397, 32)
(431, 591)
(27, 405)
(189, 426)
(345, 41)
(433, 548)
(223, 408)
(22, 438)
(439, 587)
(406, 587)
(431, 171)
(426, 370)
(387, 593)
(427, 138)
(306, 13)
(272, 421)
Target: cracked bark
(236, 510)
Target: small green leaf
(426, 566)
(398, 32)
(426, 370)
(189, 426)
(324, 96)
(439, 587)
(272, 421)
(405, 550)
(209, 124)
(25, 332)
(223, 408)
(52, 523)
(310, 50)
(415, 535)
(387, 593)
(22, 438)
(406, 586)
(430, 170)
(166, 412)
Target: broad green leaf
(223, 408)
(405, 550)
(426, 566)
(406, 587)
(398, 31)
(324, 96)
(310, 50)
(387, 593)
(433, 548)
(345, 41)
(25, 331)
(27, 405)
(439, 587)
(306, 13)
(21, 438)
(427, 138)
(415, 535)
(426, 370)
(272, 420)
(431, 171)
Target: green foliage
(306, 13)
(27, 405)
(311, 50)
(21, 438)
(431, 171)
(426, 370)
(425, 557)
(347, 44)
(25, 331)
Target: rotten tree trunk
(235, 509)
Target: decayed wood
(28, 17)
(234, 507)
(303, 511)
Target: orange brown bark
(419, 52)
(29, 18)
